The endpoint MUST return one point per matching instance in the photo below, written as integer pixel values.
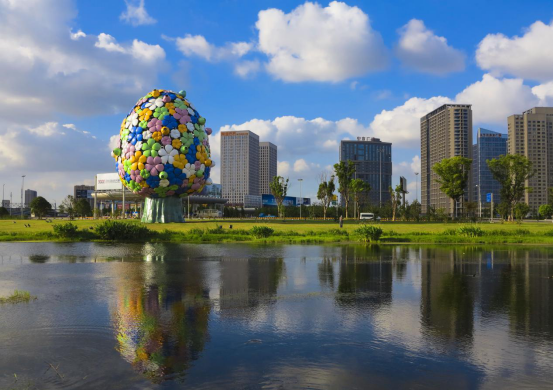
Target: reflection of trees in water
(326, 272)
(365, 277)
(249, 283)
(525, 292)
(39, 258)
(161, 316)
(447, 300)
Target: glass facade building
(489, 145)
(373, 159)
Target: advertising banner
(269, 200)
(109, 181)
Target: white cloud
(401, 125)
(545, 93)
(46, 130)
(247, 68)
(76, 36)
(139, 50)
(197, 45)
(420, 49)
(528, 56)
(416, 164)
(136, 14)
(283, 168)
(57, 73)
(312, 43)
(301, 165)
(493, 99)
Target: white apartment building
(239, 165)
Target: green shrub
(196, 231)
(450, 232)
(470, 231)
(369, 233)
(218, 230)
(521, 232)
(66, 230)
(122, 231)
(261, 231)
(338, 232)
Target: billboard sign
(403, 183)
(109, 181)
(489, 197)
(269, 200)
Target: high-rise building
(445, 132)
(531, 135)
(489, 145)
(267, 165)
(30, 195)
(373, 161)
(239, 165)
(84, 192)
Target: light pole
(417, 186)
(479, 202)
(22, 186)
(4, 185)
(301, 199)
(335, 206)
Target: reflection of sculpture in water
(161, 318)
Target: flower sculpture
(163, 148)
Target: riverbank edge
(295, 238)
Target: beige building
(531, 135)
(239, 165)
(445, 132)
(267, 165)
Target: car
(366, 216)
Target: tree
(326, 192)
(357, 187)
(279, 188)
(395, 197)
(68, 206)
(4, 211)
(344, 172)
(413, 210)
(546, 211)
(454, 176)
(39, 206)
(82, 208)
(521, 210)
(512, 172)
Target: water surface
(286, 316)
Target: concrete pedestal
(163, 210)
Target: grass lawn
(305, 231)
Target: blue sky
(303, 75)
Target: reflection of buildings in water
(447, 292)
(161, 316)
(249, 283)
(525, 292)
(365, 276)
(326, 273)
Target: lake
(276, 316)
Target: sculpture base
(163, 210)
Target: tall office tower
(489, 145)
(373, 160)
(531, 135)
(267, 165)
(30, 195)
(445, 132)
(239, 165)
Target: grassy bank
(293, 232)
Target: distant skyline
(302, 75)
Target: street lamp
(417, 186)
(335, 206)
(22, 186)
(479, 202)
(301, 199)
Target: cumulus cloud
(283, 168)
(423, 51)
(136, 14)
(60, 72)
(247, 68)
(401, 125)
(315, 43)
(197, 45)
(493, 99)
(527, 56)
